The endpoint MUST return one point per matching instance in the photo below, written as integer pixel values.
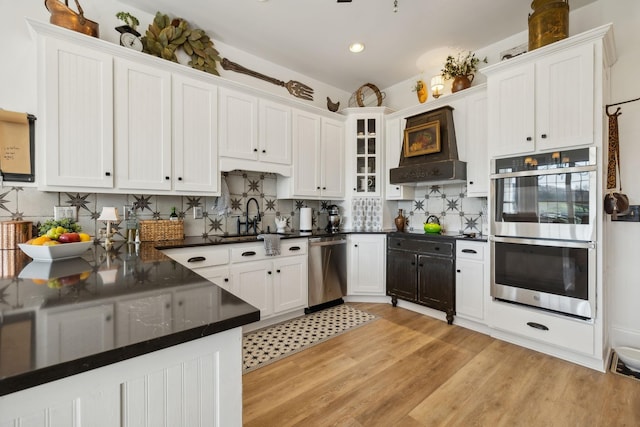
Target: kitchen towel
(271, 243)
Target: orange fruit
(51, 243)
(84, 237)
(39, 241)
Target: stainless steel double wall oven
(543, 230)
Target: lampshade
(437, 86)
(109, 214)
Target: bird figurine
(332, 106)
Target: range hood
(431, 152)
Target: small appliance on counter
(333, 225)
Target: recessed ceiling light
(356, 47)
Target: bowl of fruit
(58, 240)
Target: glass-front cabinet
(366, 156)
(365, 136)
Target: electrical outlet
(60, 212)
(197, 212)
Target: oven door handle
(540, 172)
(545, 242)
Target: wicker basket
(161, 229)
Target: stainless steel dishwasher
(327, 271)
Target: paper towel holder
(306, 220)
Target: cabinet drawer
(255, 251)
(575, 335)
(431, 247)
(201, 256)
(470, 250)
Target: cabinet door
(436, 282)
(195, 141)
(289, 284)
(78, 333)
(367, 265)
(238, 125)
(195, 307)
(252, 281)
(218, 275)
(306, 143)
(470, 289)
(394, 133)
(401, 275)
(511, 111)
(476, 146)
(143, 126)
(332, 164)
(78, 100)
(274, 132)
(141, 319)
(366, 158)
(564, 99)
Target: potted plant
(421, 90)
(130, 24)
(461, 69)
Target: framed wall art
(422, 139)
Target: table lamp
(109, 215)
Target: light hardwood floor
(406, 369)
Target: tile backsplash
(456, 212)
(29, 204)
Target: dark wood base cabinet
(421, 271)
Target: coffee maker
(333, 225)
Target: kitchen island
(120, 337)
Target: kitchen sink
(241, 238)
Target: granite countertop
(38, 300)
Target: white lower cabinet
(572, 334)
(471, 283)
(251, 282)
(289, 274)
(366, 264)
(273, 284)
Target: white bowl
(630, 357)
(55, 252)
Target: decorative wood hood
(437, 164)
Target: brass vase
(400, 221)
(461, 82)
(548, 23)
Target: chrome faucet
(254, 222)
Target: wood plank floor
(406, 369)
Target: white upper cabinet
(476, 150)
(318, 158)
(254, 134)
(274, 132)
(238, 125)
(546, 99)
(394, 133)
(332, 164)
(195, 136)
(143, 126)
(78, 117)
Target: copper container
(14, 232)
(12, 262)
(548, 23)
(63, 16)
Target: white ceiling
(312, 36)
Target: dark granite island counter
(126, 337)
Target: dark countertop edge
(66, 369)
(188, 243)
